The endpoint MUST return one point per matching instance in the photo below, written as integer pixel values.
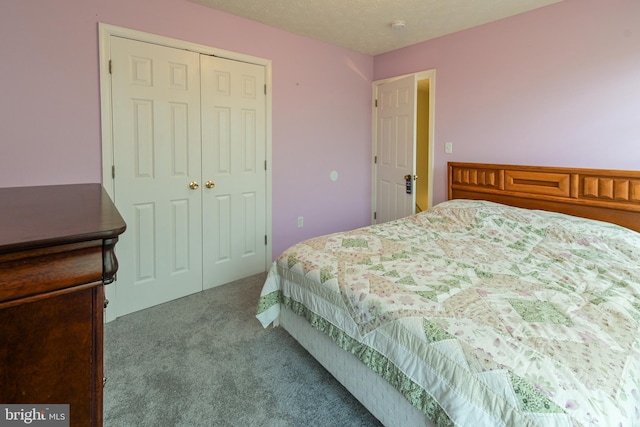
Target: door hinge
(265, 88)
(265, 239)
(376, 102)
(375, 159)
(113, 171)
(375, 215)
(110, 67)
(265, 165)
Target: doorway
(423, 138)
(403, 144)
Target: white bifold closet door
(190, 181)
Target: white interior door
(156, 148)
(233, 161)
(395, 148)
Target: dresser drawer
(55, 268)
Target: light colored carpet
(205, 360)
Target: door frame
(105, 31)
(421, 75)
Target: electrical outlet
(300, 221)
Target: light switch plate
(448, 147)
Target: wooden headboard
(605, 195)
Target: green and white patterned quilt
(479, 313)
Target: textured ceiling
(365, 25)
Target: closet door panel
(157, 150)
(233, 158)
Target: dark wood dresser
(56, 254)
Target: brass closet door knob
(194, 185)
(210, 184)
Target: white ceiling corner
(365, 25)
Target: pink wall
(50, 103)
(556, 86)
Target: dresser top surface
(35, 217)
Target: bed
(514, 303)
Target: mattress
(479, 313)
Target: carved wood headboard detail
(605, 195)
